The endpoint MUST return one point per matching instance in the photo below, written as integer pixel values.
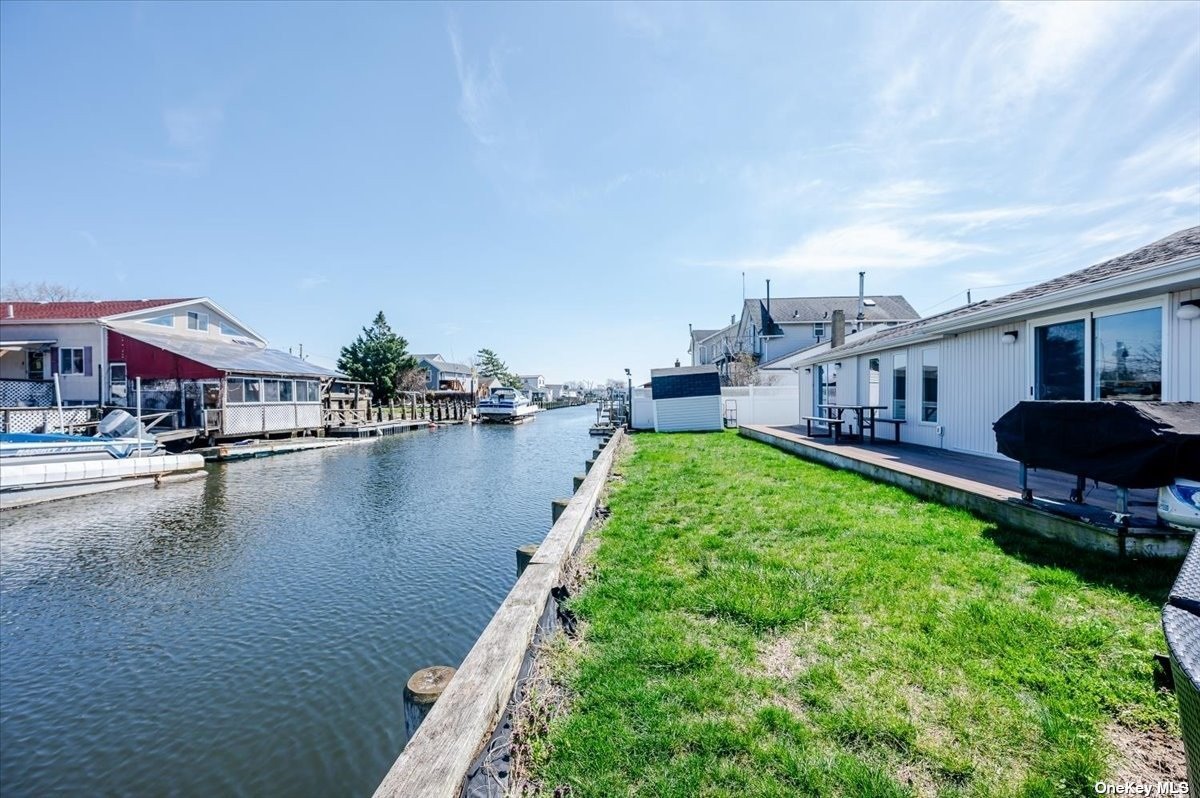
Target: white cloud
(1175, 153)
(987, 217)
(480, 88)
(192, 127)
(899, 194)
(310, 282)
(860, 246)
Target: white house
(1123, 329)
(533, 382)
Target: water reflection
(250, 633)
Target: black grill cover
(1128, 444)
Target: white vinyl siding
(687, 413)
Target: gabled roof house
(1126, 329)
(192, 355)
(771, 328)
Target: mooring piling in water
(524, 555)
(423, 690)
(587, 465)
(578, 480)
(556, 508)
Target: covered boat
(120, 435)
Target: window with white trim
(197, 320)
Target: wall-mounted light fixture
(1009, 337)
(1188, 310)
(808, 369)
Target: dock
(380, 428)
(232, 451)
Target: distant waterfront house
(533, 382)
(484, 385)
(1122, 329)
(771, 328)
(442, 375)
(192, 356)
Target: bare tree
(41, 291)
(412, 380)
(743, 370)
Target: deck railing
(26, 393)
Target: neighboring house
(533, 382)
(442, 375)
(554, 391)
(1123, 329)
(192, 356)
(484, 386)
(771, 328)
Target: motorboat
(506, 406)
(120, 436)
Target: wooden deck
(991, 487)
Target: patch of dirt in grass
(918, 779)
(1145, 756)
(779, 659)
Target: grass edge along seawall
(761, 625)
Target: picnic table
(866, 416)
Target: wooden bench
(834, 425)
(895, 422)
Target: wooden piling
(524, 555)
(587, 465)
(556, 508)
(578, 480)
(424, 688)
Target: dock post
(557, 506)
(524, 555)
(596, 453)
(578, 479)
(424, 688)
(587, 466)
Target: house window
(819, 330)
(167, 320)
(307, 391)
(1058, 360)
(197, 321)
(929, 386)
(35, 365)
(227, 329)
(70, 360)
(243, 390)
(899, 386)
(1127, 356)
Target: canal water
(250, 633)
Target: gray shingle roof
(1185, 243)
(445, 366)
(821, 308)
(700, 335)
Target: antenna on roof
(743, 288)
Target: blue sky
(571, 185)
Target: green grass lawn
(762, 626)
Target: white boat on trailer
(506, 406)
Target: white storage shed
(686, 399)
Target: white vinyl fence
(772, 405)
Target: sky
(571, 185)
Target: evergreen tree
(490, 365)
(378, 356)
